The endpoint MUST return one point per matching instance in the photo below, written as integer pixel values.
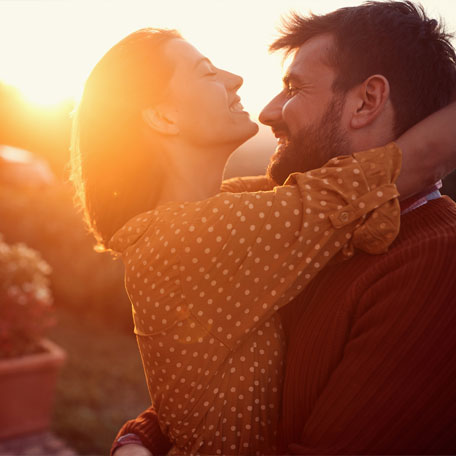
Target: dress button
(344, 216)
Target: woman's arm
(261, 249)
(429, 151)
(429, 154)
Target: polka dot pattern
(206, 279)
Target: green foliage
(25, 300)
(82, 280)
(102, 383)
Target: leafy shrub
(25, 300)
(82, 280)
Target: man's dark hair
(395, 39)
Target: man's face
(306, 115)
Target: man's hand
(132, 449)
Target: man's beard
(313, 146)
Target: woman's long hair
(116, 173)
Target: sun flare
(42, 92)
(49, 47)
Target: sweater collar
(421, 198)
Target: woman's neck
(193, 174)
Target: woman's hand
(132, 449)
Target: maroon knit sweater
(371, 363)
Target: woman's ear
(371, 97)
(161, 119)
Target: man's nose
(272, 112)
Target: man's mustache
(280, 132)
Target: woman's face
(207, 107)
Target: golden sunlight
(48, 47)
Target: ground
(101, 385)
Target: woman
(205, 271)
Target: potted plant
(29, 363)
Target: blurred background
(47, 49)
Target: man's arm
(145, 426)
(130, 449)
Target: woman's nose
(232, 81)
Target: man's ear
(161, 119)
(371, 97)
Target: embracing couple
(287, 312)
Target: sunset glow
(48, 47)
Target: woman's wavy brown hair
(116, 173)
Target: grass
(101, 385)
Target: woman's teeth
(236, 107)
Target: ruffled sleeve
(237, 257)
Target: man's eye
(291, 91)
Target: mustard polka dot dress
(206, 278)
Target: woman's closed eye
(209, 70)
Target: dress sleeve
(247, 184)
(244, 255)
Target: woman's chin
(249, 133)
(241, 134)
(252, 130)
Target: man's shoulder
(434, 220)
(427, 233)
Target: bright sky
(48, 47)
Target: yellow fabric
(206, 278)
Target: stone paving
(40, 444)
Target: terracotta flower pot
(27, 389)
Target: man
(371, 363)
